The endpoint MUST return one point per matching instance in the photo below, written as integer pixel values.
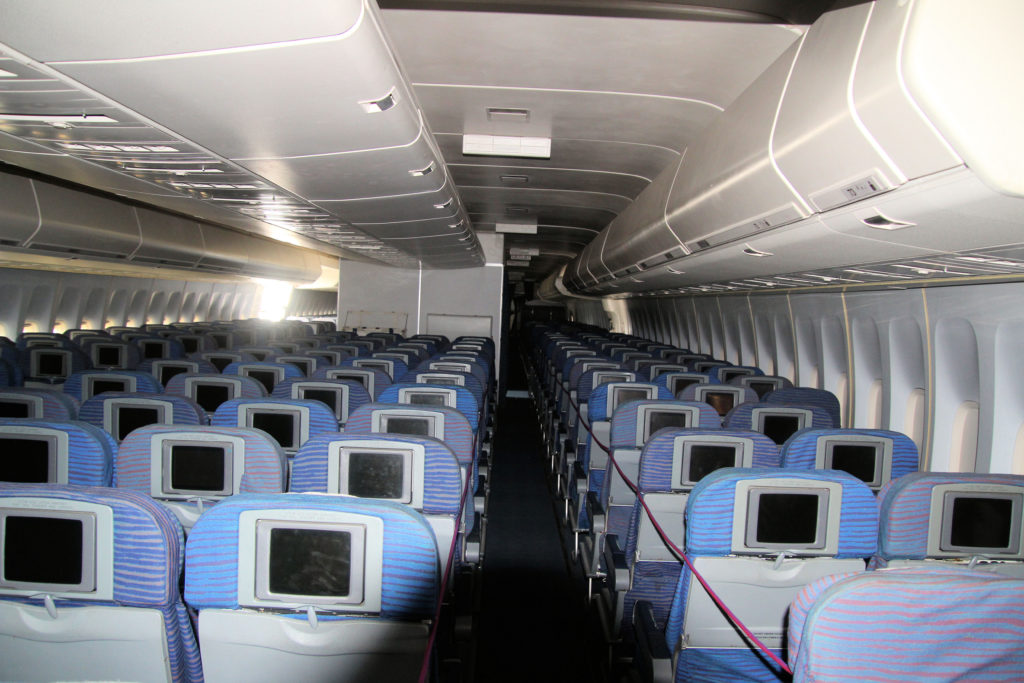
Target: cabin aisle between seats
(532, 623)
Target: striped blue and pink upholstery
(458, 435)
(56, 404)
(290, 371)
(904, 506)
(144, 382)
(91, 451)
(265, 464)
(148, 554)
(381, 379)
(201, 364)
(250, 387)
(655, 581)
(934, 624)
(800, 452)
(321, 418)
(624, 421)
(465, 402)
(747, 395)
(716, 373)
(442, 477)
(357, 394)
(709, 533)
(808, 396)
(410, 570)
(742, 416)
(184, 410)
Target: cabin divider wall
(943, 364)
(45, 301)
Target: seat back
(417, 471)
(268, 374)
(373, 380)
(834, 622)
(721, 397)
(290, 421)
(762, 384)
(40, 404)
(450, 396)
(90, 588)
(942, 518)
(758, 536)
(875, 456)
(342, 396)
(821, 398)
(188, 468)
(166, 368)
(119, 413)
(43, 451)
(86, 384)
(777, 421)
(312, 587)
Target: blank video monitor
(776, 515)
(304, 364)
(194, 465)
(334, 396)
(222, 360)
(372, 471)
(154, 349)
(287, 425)
(267, 376)
(603, 377)
(52, 551)
(444, 398)
(729, 374)
(221, 339)
(93, 385)
(677, 382)
(384, 365)
(287, 562)
(121, 416)
(210, 392)
(30, 455)
(778, 424)
(441, 378)
(412, 423)
(15, 405)
(761, 386)
(165, 370)
(49, 363)
(869, 458)
(190, 342)
(651, 418)
(720, 398)
(285, 347)
(968, 520)
(706, 365)
(695, 457)
(620, 394)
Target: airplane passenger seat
(90, 587)
(875, 456)
(45, 451)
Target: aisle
(532, 618)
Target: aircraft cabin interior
(471, 341)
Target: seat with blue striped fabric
(305, 363)
(372, 379)
(579, 417)
(724, 374)
(312, 588)
(83, 385)
(223, 358)
(261, 354)
(394, 367)
(252, 462)
(465, 402)
(633, 424)
(590, 465)
(125, 619)
(638, 563)
(809, 396)
(953, 518)
(758, 536)
(723, 397)
(762, 384)
(110, 352)
(267, 373)
(677, 380)
(777, 421)
(166, 368)
(462, 379)
(155, 347)
(192, 386)
(75, 453)
(952, 624)
(42, 404)
(445, 424)
(876, 456)
(348, 394)
(107, 411)
(291, 421)
(44, 364)
(419, 471)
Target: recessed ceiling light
(514, 179)
(506, 146)
(58, 118)
(508, 115)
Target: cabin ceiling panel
(495, 200)
(511, 177)
(601, 54)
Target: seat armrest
(615, 564)
(596, 512)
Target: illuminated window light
(57, 118)
(274, 298)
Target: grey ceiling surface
(255, 116)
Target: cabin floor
(532, 623)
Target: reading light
(423, 171)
